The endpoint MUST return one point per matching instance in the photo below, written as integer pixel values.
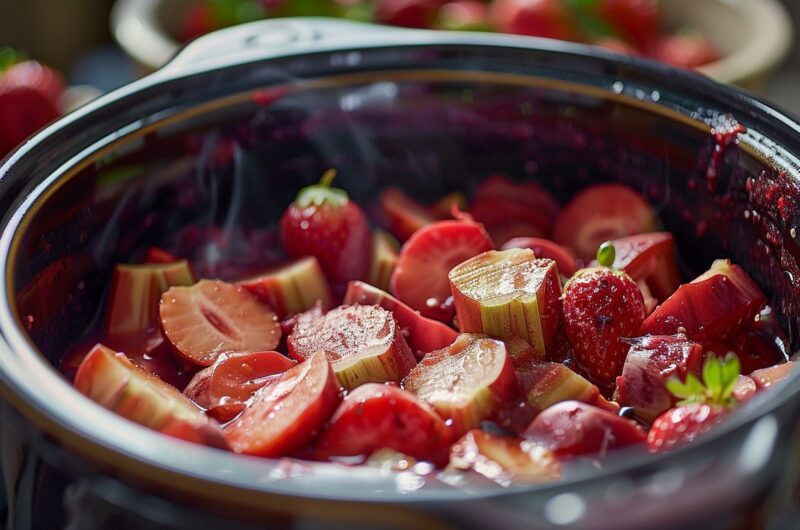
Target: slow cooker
(222, 138)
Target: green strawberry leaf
(322, 193)
(9, 57)
(719, 380)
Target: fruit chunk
(362, 343)
(223, 387)
(713, 306)
(287, 412)
(601, 307)
(403, 215)
(545, 384)
(159, 255)
(703, 405)
(504, 459)
(686, 50)
(506, 294)
(600, 213)
(511, 209)
(464, 15)
(422, 334)
(651, 361)
(384, 259)
(291, 288)
(544, 248)
(135, 291)
(638, 21)
(212, 318)
(111, 380)
(649, 257)
(745, 389)
(406, 13)
(539, 18)
(466, 382)
(420, 277)
(773, 375)
(571, 428)
(323, 222)
(375, 416)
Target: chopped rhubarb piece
(422, 334)
(363, 343)
(649, 258)
(467, 382)
(212, 318)
(545, 384)
(504, 459)
(110, 379)
(135, 291)
(544, 248)
(651, 361)
(403, 215)
(571, 428)
(506, 294)
(443, 208)
(773, 375)
(384, 259)
(375, 416)
(420, 277)
(713, 306)
(600, 213)
(287, 413)
(291, 288)
(745, 389)
(228, 383)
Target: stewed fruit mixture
(502, 335)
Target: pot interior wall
(212, 183)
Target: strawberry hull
(714, 306)
(651, 361)
(508, 294)
(423, 335)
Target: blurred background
(751, 43)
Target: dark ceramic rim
(38, 392)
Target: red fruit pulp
(544, 248)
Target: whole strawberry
(601, 307)
(323, 222)
(704, 405)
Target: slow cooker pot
(221, 139)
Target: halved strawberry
(600, 213)
(111, 380)
(601, 307)
(649, 257)
(292, 287)
(363, 343)
(704, 404)
(504, 459)
(420, 277)
(223, 388)
(714, 306)
(212, 318)
(286, 413)
(767, 377)
(423, 335)
(375, 416)
(571, 428)
(544, 248)
(650, 362)
(511, 209)
(403, 215)
(467, 382)
(323, 222)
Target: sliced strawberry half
(363, 343)
(420, 277)
(110, 379)
(571, 428)
(375, 416)
(467, 382)
(212, 318)
(223, 388)
(504, 459)
(287, 412)
(544, 248)
(423, 335)
(601, 213)
(403, 215)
